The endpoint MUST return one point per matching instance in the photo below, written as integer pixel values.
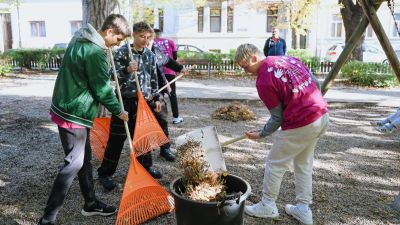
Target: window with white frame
(397, 18)
(38, 29)
(272, 17)
(215, 19)
(337, 26)
(75, 26)
(200, 19)
(229, 20)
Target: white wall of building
(57, 15)
(249, 26)
(320, 35)
(180, 24)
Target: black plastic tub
(226, 212)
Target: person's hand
(133, 66)
(253, 134)
(157, 107)
(184, 71)
(124, 116)
(169, 89)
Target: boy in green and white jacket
(82, 83)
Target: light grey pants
(297, 146)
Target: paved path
(384, 97)
(42, 86)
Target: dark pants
(117, 138)
(75, 143)
(172, 96)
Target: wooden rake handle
(120, 100)
(138, 63)
(233, 140)
(172, 81)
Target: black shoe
(167, 154)
(48, 223)
(154, 172)
(98, 208)
(107, 182)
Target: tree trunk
(95, 12)
(351, 15)
(295, 44)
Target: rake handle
(172, 81)
(120, 99)
(233, 140)
(131, 58)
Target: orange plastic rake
(143, 197)
(148, 133)
(99, 136)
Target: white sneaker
(301, 213)
(262, 210)
(177, 120)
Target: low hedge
(4, 66)
(369, 74)
(25, 57)
(313, 62)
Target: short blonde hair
(245, 51)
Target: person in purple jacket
(291, 94)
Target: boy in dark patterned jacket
(144, 62)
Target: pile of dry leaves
(201, 184)
(234, 112)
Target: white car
(371, 53)
(189, 48)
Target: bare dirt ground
(356, 169)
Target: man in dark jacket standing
(275, 45)
(82, 83)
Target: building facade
(217, 26)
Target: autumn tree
(300, 18)
(295, 15)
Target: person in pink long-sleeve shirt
(291, 93)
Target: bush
(4, 65)
(24, 57)
(369, 74)
(313, 62)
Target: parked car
(189, 48)
(397, 54)
(371, 53)
(60, 45)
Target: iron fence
(195, 64)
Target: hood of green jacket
(90, 34)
